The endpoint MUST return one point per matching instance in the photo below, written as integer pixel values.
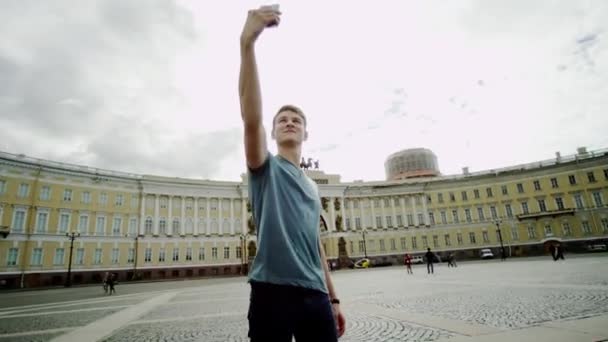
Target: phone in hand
(274, 8)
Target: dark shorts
(280, 312)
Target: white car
(417, 260)
(486, 253)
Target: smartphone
(275, 8)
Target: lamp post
(364, 242)
(503, 255)
(72, 236)
(134, 276)
(243, 238)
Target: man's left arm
(338, 316)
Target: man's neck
(292, 154)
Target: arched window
(148, 225)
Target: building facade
(150, 227)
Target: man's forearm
(330, 285)
(249, 88)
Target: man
(408, 263)
(429, 261)
(292, 294)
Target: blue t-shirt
(286, 209)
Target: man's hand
(257, 21)
(339, 318)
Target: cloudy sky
(151, 86)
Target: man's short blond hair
(289, 108)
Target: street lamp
(243, 238)
(72, 236)
(364, 243)
(497, 222)
(134, 276)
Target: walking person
(106, 276)
(112, 282)
(292, 294)
(429, 261)
(408, 263)
(559, 252)
(451, 260)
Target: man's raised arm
(249, 85)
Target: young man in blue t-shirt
(292, 294)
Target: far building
(411, 163)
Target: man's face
(289, 128)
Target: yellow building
(150, 227)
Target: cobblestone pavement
(383, 304)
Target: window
(148, 255)
(455, 216)
(347, 222)
(176, 254)
(226, 252)
(393, 246)
(446, 238)
(389, 221)
(357, 222)
(86, 197)
(100, 228)
(444, 218)
(605, 225)
(431, 217)
(464, 195)
(566, 228)
(103, 198)
(119, 200)
(476, 193)
(2, 186)
(37, 257)
(176, 226)
(578, 201)
(514, 233)
(489, 192)
(548, 230)
(425, 241)
(361, 246)
(161, 255)
(24, 190)
(452, 197)
(467, 214)
(410, 220)
(148, 225)
(64, 222)
(201, 253)
(376, 203)
(18, 220)
(597, 198)
(382, 246)
(83, 224)
(356, 204)
(524, 208)
(352, 247)
(440, 198)
(403, 243)
(520, 188)
(396, 201)
(572, 179)
(45, 193)
(133, 201)
(41, 222)
(239, 252)
(472, 237)
(13, 254)
(554, 183)
(399, 220)
(133, 226)
(386, 202)
(116, 226)
(459, 238)
(98, 256)
(414, 243)
(541, 205)
(531, 232)
(559, 202)
(162, 226)
(480, 214)
(67, 195)
(58, 259)
(493, 212)
(485, 236)
(591, 177)
(79, 256)
(115, 255)
(504, 190)
(214, 253)
(379, 221)
(509, 210)
(435, 241)
(421, 219)
(537, 185)
(586, 228)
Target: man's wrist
(334, 301)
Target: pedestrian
(552, 251)
(112, 282)
(429, 261)
(292, 294)
(559, 252)
(105, 282)
(408, 263)
(451, 260)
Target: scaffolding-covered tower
(411, 163)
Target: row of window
(214, 225)
(79, 258)
(214, 203)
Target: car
(362, 263)
(597, 248)
(486, 253)
(417, 260)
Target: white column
(142, 215)
(232, 216)
(220, 217)
(383, 216)
(403, 212)
(371, 204)
(195, 228)
(156, 214)
(394, 211)
(343, 211)
(208, 223)
(425, 212)
(361, 218)
(332, 216)
(243, 215)
(170, 216)
(352, 215)
(414, 214)
(182, 226)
